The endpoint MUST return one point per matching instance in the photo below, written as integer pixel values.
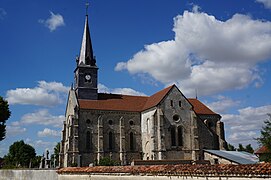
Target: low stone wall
(157, 172)
(28, 174)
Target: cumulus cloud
(45, 94)
(266, 3)
(3, 13)
(53, 22)
(40, 144)
(48, 132)
(14, 130)
(245, 126)
(222, 104)
(42, 117)
(126, 91)
(206, 54)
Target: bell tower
(86, 72)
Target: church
(164, 126)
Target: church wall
(177, 114)
(148, 133)
(207, 139)
(68, 146)
(110, 124)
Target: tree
(4, 115)
(20, 154)
(55, 156)
(249, 149)
(265, 138)
(240, 148)
(231, 147)
(106, 161)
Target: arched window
(110, 141)
(148, 125)
(132, 144)
(173, 136)
(88, 141)
(180, 136)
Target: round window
(176, 117)
(110, 122)
(88, 121)
(131, 123)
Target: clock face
(88, 77)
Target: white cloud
(266, 3)
(42, 117)
(55, 21)
(14, 130)
(41, 145)
(3, 13)
(206, 54)
(222, 104)
(48, 132)
(125, 91)
(245, 126)
(45, 94)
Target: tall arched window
(88, 141)
(173, 136)
(148, 125)
(132, 146)
(110, 141)
(180, 136)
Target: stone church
(164, 126)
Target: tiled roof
(115, 102)
(220, 170)
(157, 98)
(118, 102)
(263, 150)
(200, 108)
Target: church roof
(115, 102)
(119, 102)
(200, 108)
(86, 51)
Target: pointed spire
(86, 53)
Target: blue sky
(221, 49)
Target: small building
(230, 157)
(263, 153)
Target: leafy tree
(35, 162)
(4, 115)
(249, 149)
(55, 156)
(20, 154)
(231, 148)
(241, 148)
(106, 161)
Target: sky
(219, 50)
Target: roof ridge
(156, 98)
(125, 95)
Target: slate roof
(219, 170)
(119, 102)
(239, 157)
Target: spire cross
(87, 5)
